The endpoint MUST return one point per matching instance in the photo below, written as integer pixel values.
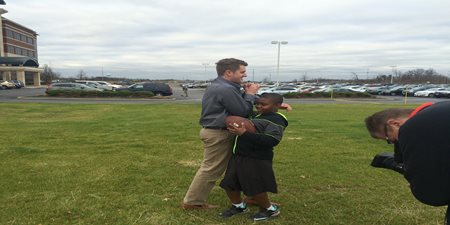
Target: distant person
(422, 139)
(185, 90)
(222, 98)
(250, 167)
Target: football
(237, 121)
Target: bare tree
(355, 76)
(81, 75)
(48, 75)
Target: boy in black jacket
(250, 167)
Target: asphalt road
(194, 96)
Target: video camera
(386, 160)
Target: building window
(20, 37)
(10, 48)
(9, 34)
(29, 40)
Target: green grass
(131, 164)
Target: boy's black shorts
(251, 176)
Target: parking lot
(34, 94)
(194, 96)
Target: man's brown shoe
(204, 206)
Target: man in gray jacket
(222, 98)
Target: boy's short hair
(229, 64)
(274, 97)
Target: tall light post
(394, 70)
(205, 65)
(279, 43)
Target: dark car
(18, 83)
(398, 90)
(443, 93)
(156, 88)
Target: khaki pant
(217, 151)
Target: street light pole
(279, 43)
(205, 65)
(394, 70)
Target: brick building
(18, 52)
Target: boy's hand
(251, 88)
(286, 107)
(237, 130)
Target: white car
(357, 89)
(95, 84)
(428, 92)
(279, 90)
(114, 86)
(7, 84)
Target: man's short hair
(375, 123)
(228, 64)
(274, 97)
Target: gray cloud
(158, 39)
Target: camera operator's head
(385, 124)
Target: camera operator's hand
(386, 160)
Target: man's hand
(286, 107)
(251, 88)
(386, 160)
(237, 130)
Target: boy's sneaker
(266, 214)
(233, 211)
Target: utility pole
(205, 65)
(394, 70)
(279, 43)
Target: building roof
(17, 26)
(19, 61)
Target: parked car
(95, 84)
(397, 90)
(156, 88)
(360, 89)
(381, 89)
(443, 93)
(428, 92)
(114, 86)
(18, 83)
(7, 84)
(279, 90)
(71, 86)
(413, 90)
(333, 89)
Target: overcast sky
(159, 39)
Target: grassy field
(131, 164)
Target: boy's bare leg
(234, 196)
(262, 199)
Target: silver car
(71, 86)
